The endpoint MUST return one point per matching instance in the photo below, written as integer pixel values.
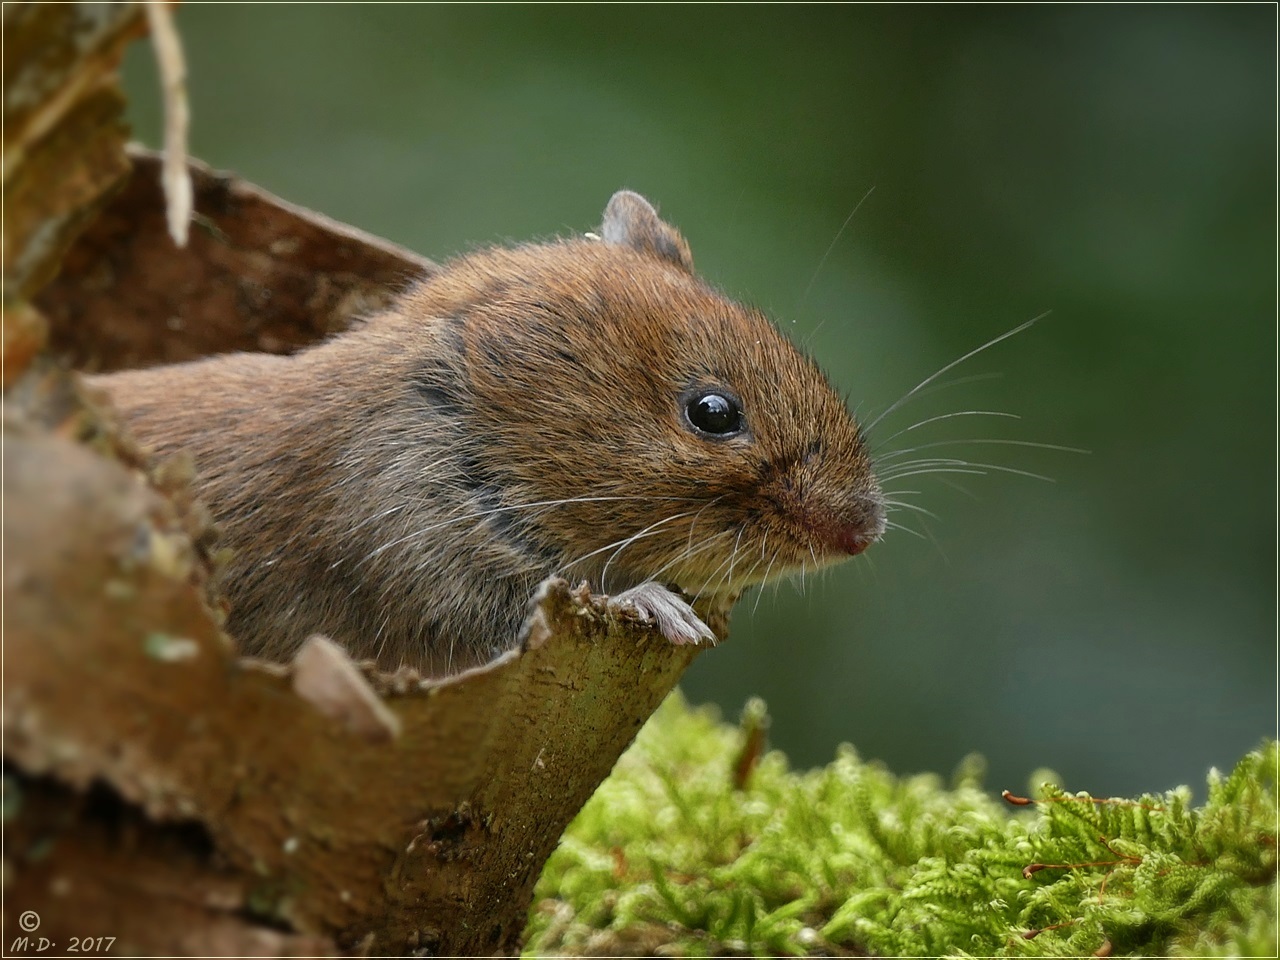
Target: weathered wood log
(159, 789)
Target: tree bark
(159, 789)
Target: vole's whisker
(621, 543)
(948, 482)
(745, 577)
(693, 524)
(764, 540)
(380, 637)
(948, 416)
(817, 567)
(689, 552)
(942, 553)
(905, 529)
(898, 469)
(711, 576)
(911, 506)
(481, 514)
(737, 543)
(567, 500)
(960, 382)
(767, 571)
(751, 573)
(647, 531)
(979, 468)
(951, 366)
(982, 440)
(729, 581)
(999, 468)
(733, 555)
(836, 239)
(932, 470)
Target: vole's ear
(630, 219)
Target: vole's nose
(853, 542)
(859, 523)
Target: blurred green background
(1115, 165)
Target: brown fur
(357, 481)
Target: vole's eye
(713, 413)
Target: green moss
(671, 856)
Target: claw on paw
(670, 613)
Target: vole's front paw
(670, 613)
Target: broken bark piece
(63, 128)
(329, 680)
(257, 274)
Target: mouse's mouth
(820, 541)
(791, 543)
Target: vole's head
(627, 422)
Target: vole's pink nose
(860, 524)
(853, 542)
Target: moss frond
(698, 845)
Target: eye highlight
(713, 412)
